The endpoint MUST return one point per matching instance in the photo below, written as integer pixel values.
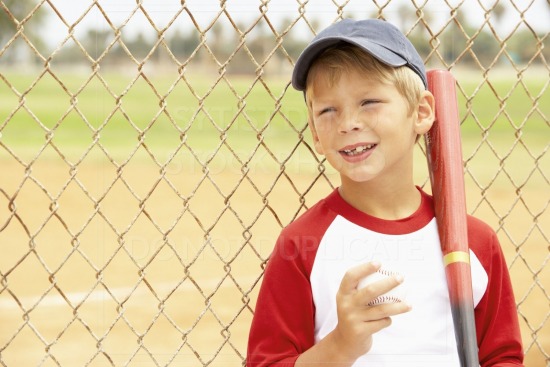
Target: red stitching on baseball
(384, 299)
(387, 273)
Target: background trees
(22, 37)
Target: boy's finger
(354, 275)
(383, 311)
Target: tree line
(243, 50)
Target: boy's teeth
(358, 149)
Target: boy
(365, 90)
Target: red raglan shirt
(296, 306)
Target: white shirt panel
(422, 337)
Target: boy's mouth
(356, 150)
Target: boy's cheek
(318, 147)
(320, 127)
(314, 135)
(316, 142)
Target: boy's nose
(350, 122)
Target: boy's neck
(391, 202)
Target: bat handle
(463, 313)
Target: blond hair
(336, 60)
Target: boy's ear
(425, 113)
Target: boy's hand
(357, 321)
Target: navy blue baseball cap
(382, 40)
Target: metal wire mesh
(146, 178)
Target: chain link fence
(152, 151)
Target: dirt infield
(102, 271)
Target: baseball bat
(444, 152)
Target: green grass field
(118, 110)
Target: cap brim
(310, 53)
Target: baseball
(397, 294)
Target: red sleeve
(498, 334)
(284, 319)
(283, 326)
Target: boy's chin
(359, 174)
(356, 177)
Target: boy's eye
(325, 110)
(369, 101)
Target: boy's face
(364, 128)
